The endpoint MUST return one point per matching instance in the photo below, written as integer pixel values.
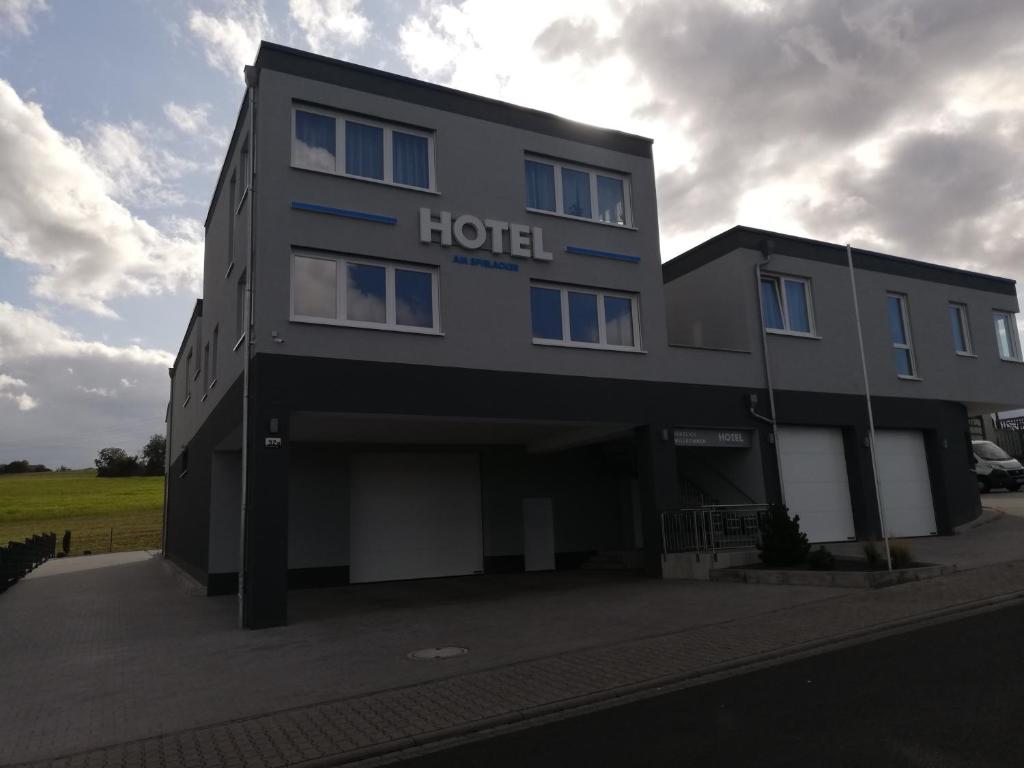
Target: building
(436, 338)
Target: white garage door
(817, 488)
(415, 515)
(904, 483)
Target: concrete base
(861, 579)
(691, 565)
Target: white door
(414, 515)
(816, 483)
(538, 535)
(904, 483)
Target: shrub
(900, 553)
(821, 560)
(871, 553)
(782, 541)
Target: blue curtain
(611, 200)
(317, 140)
(772, 304)
(364, 150)
(540, 186)
(583, 317)
(409, 154)
(896, 330)
(796, 306)
(576, 193)
(546, 313)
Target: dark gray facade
(538, 360)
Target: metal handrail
(712, 528)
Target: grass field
(103, 513)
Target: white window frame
(1014, 337)
(965, 325)
(566, 340)
(909, 345)
(391, 304)
(558, 165)
(780, 281)
(340, 119)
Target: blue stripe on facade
(380, 219)
(602, 254)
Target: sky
(897, 126)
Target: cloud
(188, 120)
(93, 394)
(22, 400)
(892, 122)
(58, 212)
(231, 41)
(330, 26)
(16, 15)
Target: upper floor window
(215, 344)
(366, 149)
(786, 304)
(579, 317)
(899, 333)
(583, 193)
(188, 376)
(368, 294)
(1007, 338)
(961, 330)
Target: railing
(20, 557)
(712, 528)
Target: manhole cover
(430, 654)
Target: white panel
(415, 515)
(538, 535)
(817, 487)
(904, 483)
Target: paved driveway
(105, 649)
(1010, 503)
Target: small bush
(782, 542)
(871, 553)
(901, 555)
(821, 560)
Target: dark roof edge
(197, 312)
(314, 66)
(741, 236)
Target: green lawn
(88, 506)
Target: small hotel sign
(474, 234)
(712, 438)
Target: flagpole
(871, 415)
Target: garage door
(904, 483)
(415, 515)
(817, 488)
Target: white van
(995, 468)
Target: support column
(264, 582)
(659, 489)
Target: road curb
(393, 751)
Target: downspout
(766, 252)
(167, 461)
(871, 413)
(251, 78)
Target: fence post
(110, 548)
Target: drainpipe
(167, 460)
(766, 252)
(871, 414)
(251, 79)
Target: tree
(115, 462)
(153, 455)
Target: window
(361, 148)
(244, 171)
(579, 317)
(188, 376)
(363, 293)
(961, 330)
(579, 192)
(213, 355)
(232, 201)
(184, 461)
(240, 310)
(786, 305)
(206, 367)
(899, 332)
(1006, 336)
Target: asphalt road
(950, 695)
(1011, 503)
